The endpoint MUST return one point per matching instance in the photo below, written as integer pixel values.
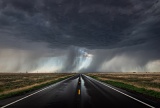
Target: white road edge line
(32, 94)
(122, 93)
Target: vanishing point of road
(79, 91)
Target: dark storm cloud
(88, 22)
(139, 48)
(109, 29)
(28, 6)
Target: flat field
(16, 83)
(147, 83)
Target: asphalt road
(79, 91)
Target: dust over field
(11, 83)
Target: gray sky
(79, 35)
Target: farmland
(12, 84)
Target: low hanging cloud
(31, 57)
(79, 36)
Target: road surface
(79, 91)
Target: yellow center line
(79, 91)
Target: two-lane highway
(79, 91)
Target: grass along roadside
(155, 95)
(26, 89)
